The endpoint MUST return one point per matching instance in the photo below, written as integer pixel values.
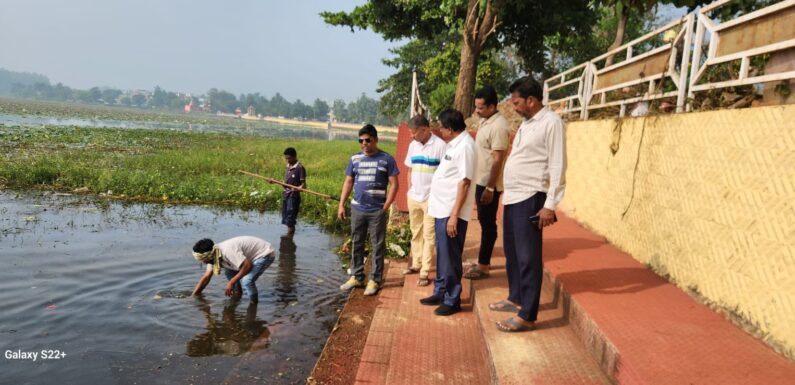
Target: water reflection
(232, 335)
(285, 275)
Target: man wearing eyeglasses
(372, 175)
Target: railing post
(683, 70)
(546, 92)
(696, 63)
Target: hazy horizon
(191, 46)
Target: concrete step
(550, 354)
(644, 330)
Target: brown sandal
(512, 326)
(475, 273)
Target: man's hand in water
(230, 290)
(203, 281)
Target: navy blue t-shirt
(370, 179)
(294, 175)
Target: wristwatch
(490, 189)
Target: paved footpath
(604, 318)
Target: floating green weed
(176, 167)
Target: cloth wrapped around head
(212, 257)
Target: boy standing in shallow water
(294, 175)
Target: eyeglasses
(365, 140)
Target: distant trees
(220, 100)
(363, 109)
(110, 95)
(138, 100)
(10, 78)
(320, 110)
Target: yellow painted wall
(713, 205)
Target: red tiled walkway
(604, 318)
(660, 334)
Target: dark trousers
(487, 217)
(522, 241)
(374, 224)
(449, 266)
(290, 206)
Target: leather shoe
(432, 300)
(447, 310)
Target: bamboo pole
(271, 180)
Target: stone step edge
(587, 331)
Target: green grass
(175, 167)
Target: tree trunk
(476, 32)
(467, 75)
(622, 12)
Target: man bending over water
(243, 260)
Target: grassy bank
(174, 167)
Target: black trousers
(522, 241)
(487, 217)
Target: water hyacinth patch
(149, 165)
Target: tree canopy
(476, 26)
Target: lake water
(108, 284)
(264, 129)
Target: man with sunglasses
(372, 175)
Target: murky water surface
(109, 284)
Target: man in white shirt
(534, 185)
(450, 203)
(491, 144)
(423, 158)
(243, 260)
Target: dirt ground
(339, 360)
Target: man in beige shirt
(491, 144)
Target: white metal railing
(571, 102)
(594, 83)
(683, 29)
(713, 57)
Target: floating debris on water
(177, 294)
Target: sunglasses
(365, 140)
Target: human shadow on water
(232, 335)
(285, 273)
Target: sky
(242, 46)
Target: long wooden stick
(271, 180)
